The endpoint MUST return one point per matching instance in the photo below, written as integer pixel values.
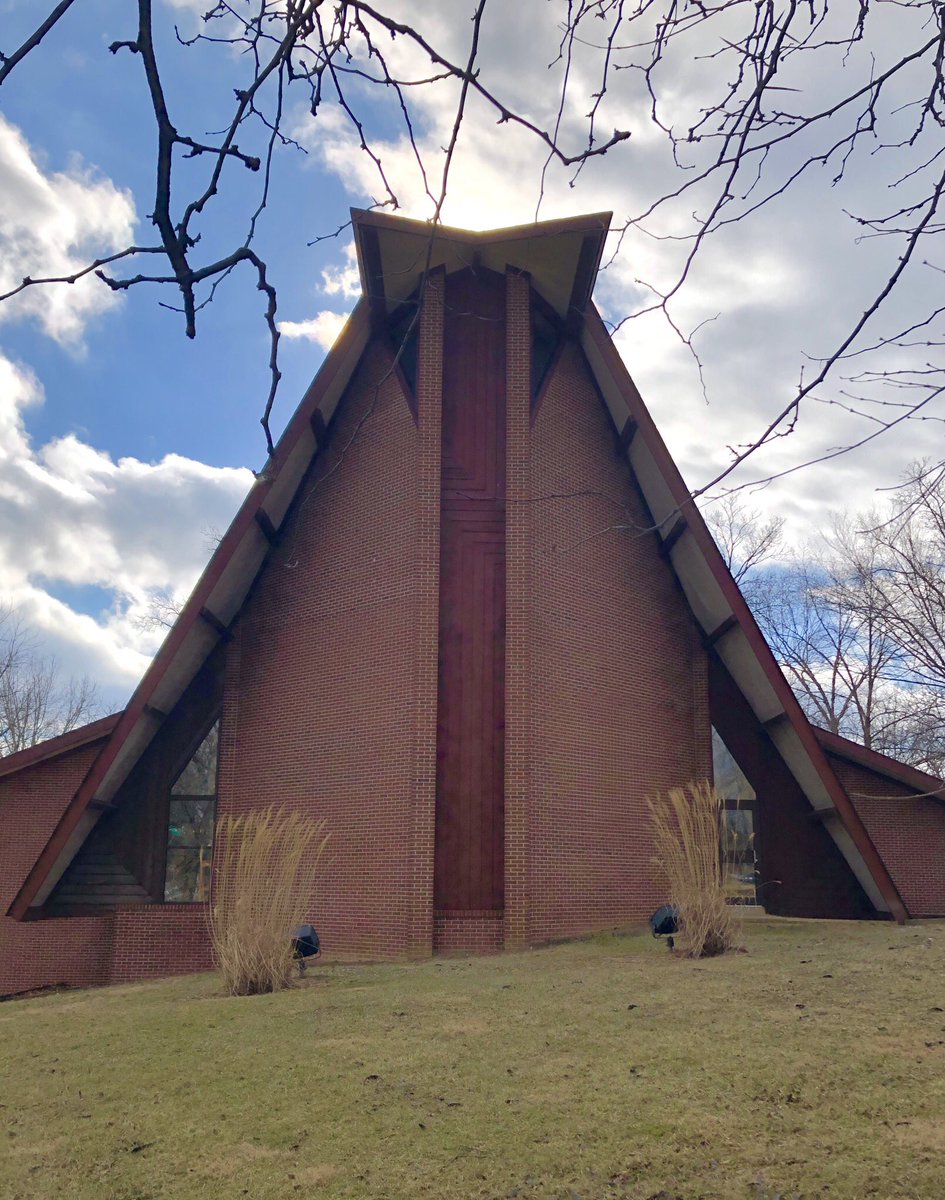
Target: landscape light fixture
(305, 944)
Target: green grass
(814, 1065)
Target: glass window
(737, 825)
(730, 782)
(190, 825)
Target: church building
(470, 617)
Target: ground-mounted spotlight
(305, 945)
(665, 922)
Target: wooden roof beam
(676, 531)
(724, 627)
(266, 527)
(216, 625)
(625, 437)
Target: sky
(125, 448)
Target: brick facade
(128, 943)
(331, 678)
(326, 709)
(615, 688)
(908, 830)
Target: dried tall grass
(686, 835)
(263, 878)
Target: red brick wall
(907, 830)
(327, 704)
(39, 953)
(151, 940)
(468, 932)
(611, 671)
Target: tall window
(737, 834)
(190, 825)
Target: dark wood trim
(546, 379)
(824, 814)
(269, 531)
(881, 764)
(584, 276)
(678, 528)
(625, 437)
(216, 625)
(374, 272)
(731, 622)
(401, 377)
(319, 428)
(53, 747)
(104, 806)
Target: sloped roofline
(725, 618)
(911, 777)
(714, 597)
(31, 756)
(205, 618)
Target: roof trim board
(53, 747)
(561, 256)
(861, 756)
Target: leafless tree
(858, 625)
(753, 98)
(36, 702)
(745, 537)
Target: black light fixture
(665, 922)
(305, 944)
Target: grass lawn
(814, 1065)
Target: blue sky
(124, 448)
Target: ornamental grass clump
(686, 834)
(264, 873)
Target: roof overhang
(725, 619)
(561, 257)
(213, 605)
(75, 739)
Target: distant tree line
(856, 621)
(36, 700)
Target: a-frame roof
(561, 258)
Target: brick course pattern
(151, 940)
(908, 831)
(323, 707)
(615, 680)
(37, 954)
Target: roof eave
(219, 592)
(911, 777)
(670, 501)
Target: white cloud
(787, 283)
(322, 329)
(53, 224)
(72, 517)
(343, 279)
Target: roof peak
(562, 256)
